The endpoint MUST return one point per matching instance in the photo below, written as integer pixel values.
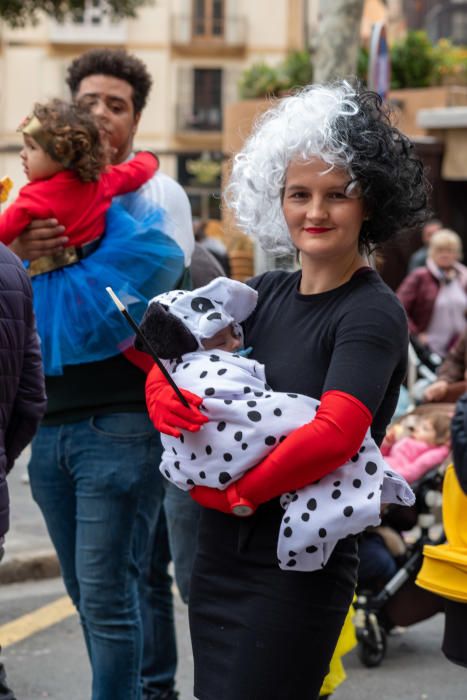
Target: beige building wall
(34, 60)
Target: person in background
(331, 330)
(451, 375)
(22, 390)
(213, 245)
(435, 296)
(418, 258)
(204, 266)
(426, 447)
(93, 468)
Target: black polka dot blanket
(246, 421)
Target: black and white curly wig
(346, 127)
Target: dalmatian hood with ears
(176, 322)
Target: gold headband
(32, 127)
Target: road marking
(27, 625)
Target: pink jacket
(413, 458)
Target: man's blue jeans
(175, 537)
(182, 514)
(99, 488)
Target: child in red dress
(66, 163)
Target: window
(448, 20)
(92, 25)
(203, 192)
(207, 98)
(208, 18)
(93, 13)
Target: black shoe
(168, 694)
(5, 692)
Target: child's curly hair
(72, 138)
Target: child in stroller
(419, 445)
(386, 592)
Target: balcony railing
(106, 33)
(189, 119)
(93, 25)
(188, 32)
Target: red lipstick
(316, 229)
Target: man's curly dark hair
(116, 63)
(70, 135)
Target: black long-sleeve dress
(258, 632)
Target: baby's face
(225, 339)
(425, 431)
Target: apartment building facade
(194, 49)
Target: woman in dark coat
(22, 391)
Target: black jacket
(22, 392)
(459, 441)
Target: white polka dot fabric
(246, 421)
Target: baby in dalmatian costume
(247, 419)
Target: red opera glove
(307, 454)
(142, 360)
(166, 410)
(227, 501)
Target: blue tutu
(76, 319)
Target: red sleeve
(14, 219)
(126, 177)
(310, 452)
(140, 359)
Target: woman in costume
(326, 174)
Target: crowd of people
(240, 489)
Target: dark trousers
(5, 692)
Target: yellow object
(444, 569)
(5, 188)
(36, 621)
(346, 642)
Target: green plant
(296, 70)
(413, 61)
(263, 80)
(363, 61)
(450, 63)
(260, 80)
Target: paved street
(53, 664)
(45, 656)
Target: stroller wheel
(372, 647)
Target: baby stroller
(422, 367)
(400, 602)
(396, 600)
